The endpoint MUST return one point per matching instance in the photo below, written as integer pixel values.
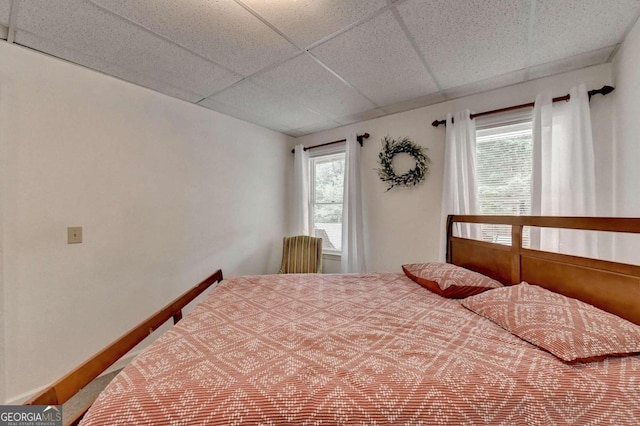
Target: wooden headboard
(611, 286)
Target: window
(327, 186)
(504, 162)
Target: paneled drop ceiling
(302, 66)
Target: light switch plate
(74, 235)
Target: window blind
(503, 166)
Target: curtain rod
(605, 90)
(360, 138)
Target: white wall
(166, 193)
(626, 70)
(403, 225)
(3, 351)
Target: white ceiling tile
(295, 133)
(273, 125)
(238, 113)
(487, 84)
(362, 116)
(307, 21)
(241, 112)
(330, 124)
(86, 29)
(414, 103)
(369, 57)
(583, 60)
(305, 82)
(360, 64)
(262, 103)
(221, 31)
(5, 8)
(277, 128)
(465, 40)
(96, 63)
(242, 115)
(567, 28)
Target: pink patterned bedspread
(355, 349)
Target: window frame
(318, 154)
(519, 121)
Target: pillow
(449, 280)
(571, 330)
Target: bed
(383, 349)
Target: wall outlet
(74, 235)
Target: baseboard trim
(119, 364)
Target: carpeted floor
(86, 395)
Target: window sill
(331, 255)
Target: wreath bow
(391, 147)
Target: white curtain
(563, 177)
(301, 219)
(352, 227)
(460, 188)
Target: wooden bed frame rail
(611, 286)
(62, 390)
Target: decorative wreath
(391, 147)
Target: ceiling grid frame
(412, 40)
(94, 70)
(160, 36)
(327, 21)
(351, 26)
(267, 23)
(306, 50)
(532, 20)
(14, 5)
